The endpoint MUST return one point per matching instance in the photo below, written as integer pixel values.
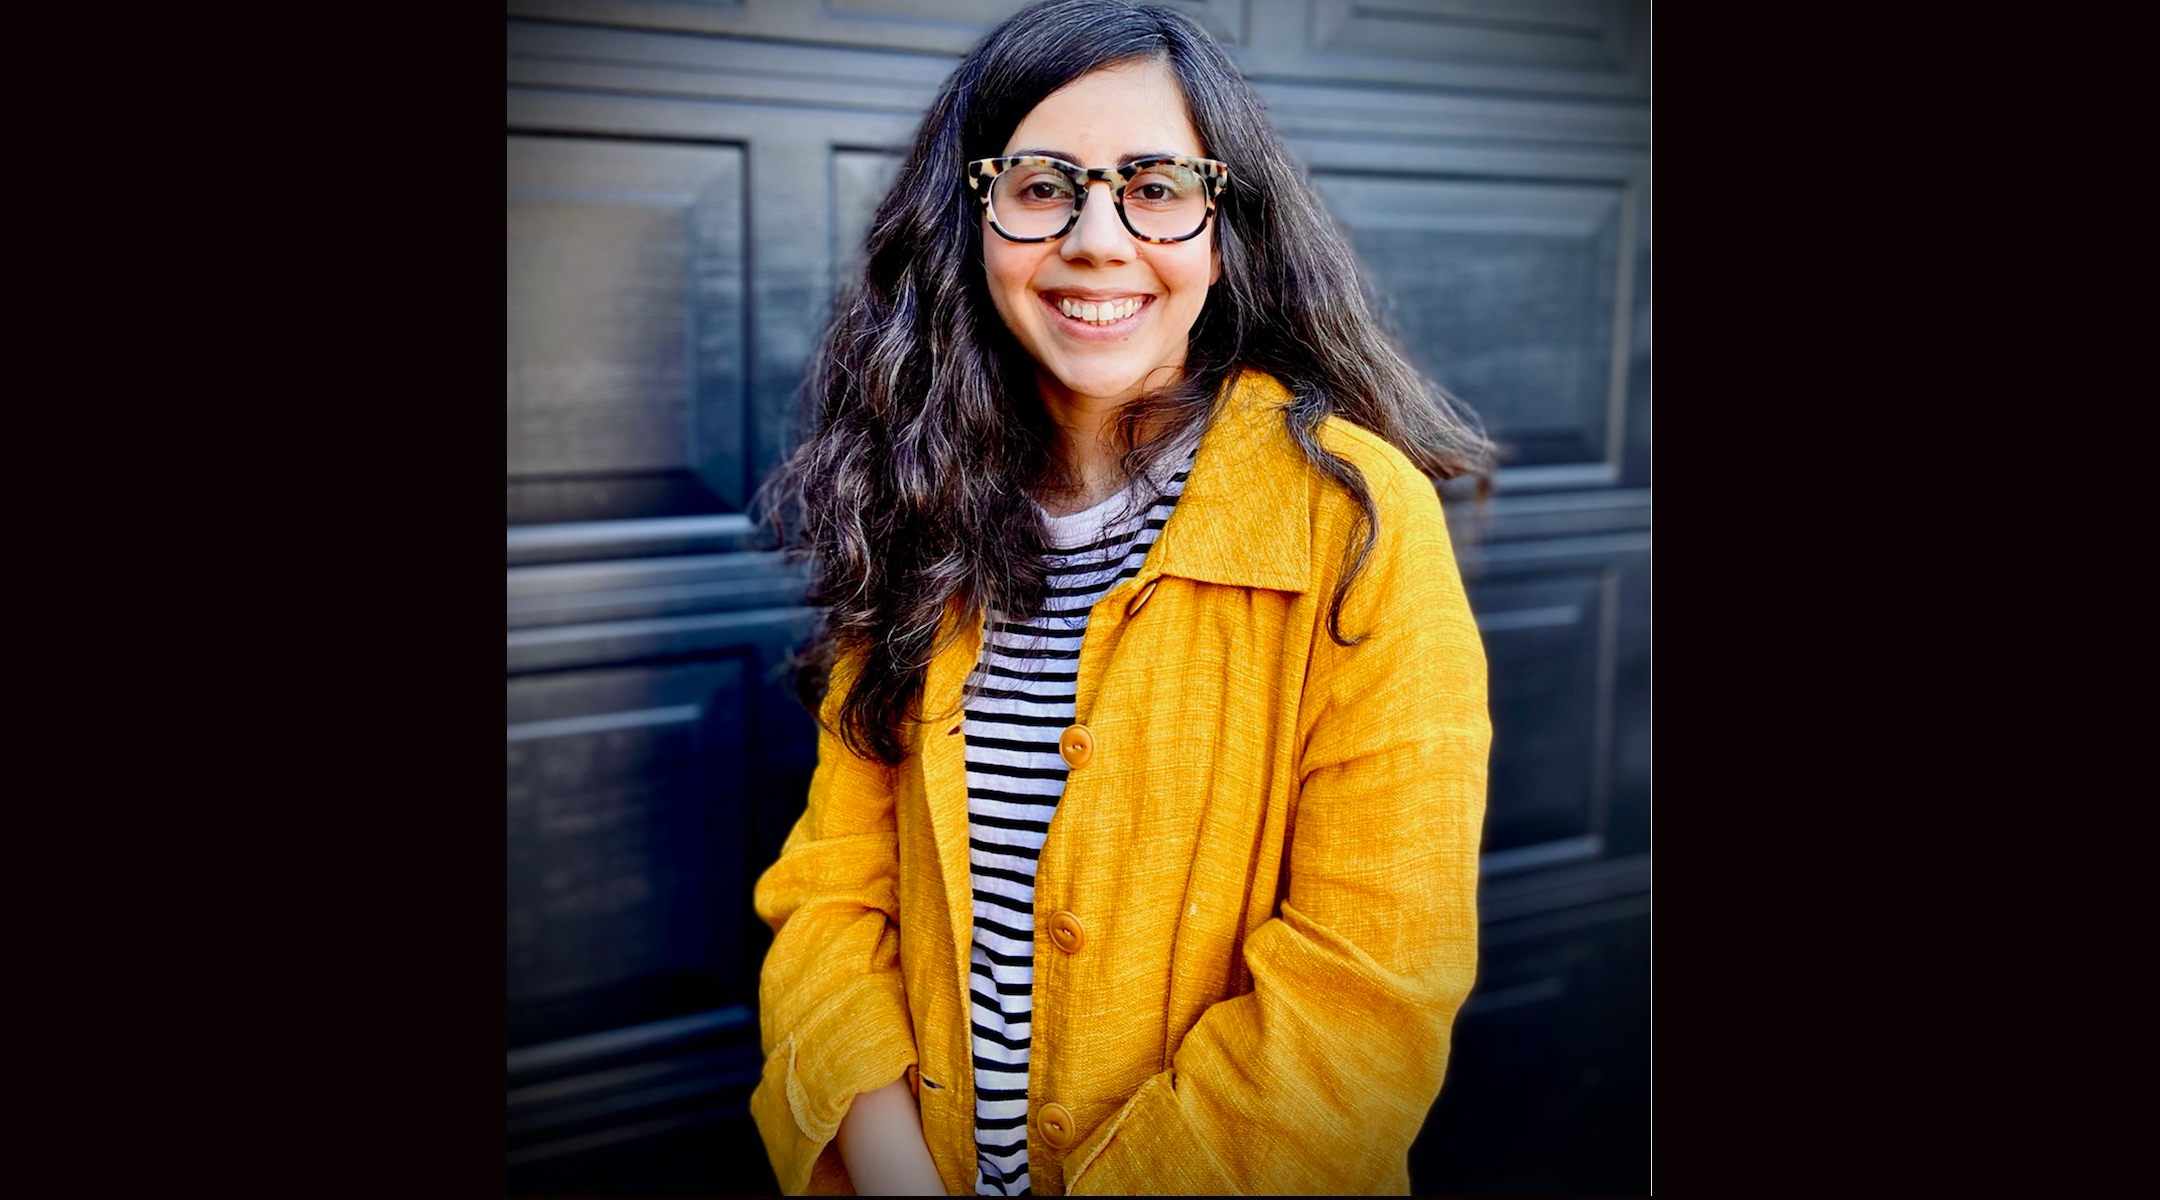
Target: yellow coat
(1271, 857)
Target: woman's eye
(1161, 187)
(1038, 188)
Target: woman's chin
(1117, 384)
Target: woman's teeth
(1099, 314)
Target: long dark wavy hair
(913, 489)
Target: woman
(1141, 851)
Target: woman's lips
(1078, 326)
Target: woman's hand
(882, 1144)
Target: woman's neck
(1089, 472)
(1088, 449)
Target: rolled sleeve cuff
(859, 1041)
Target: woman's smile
(1095, 316)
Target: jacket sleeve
(832, 1013)
(1319, 1078)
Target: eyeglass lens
(1163, 201)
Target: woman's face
(1102, 119)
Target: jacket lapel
(1245, 518)
(944, 768)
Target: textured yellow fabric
(1273, 852)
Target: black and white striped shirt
(1020, 698)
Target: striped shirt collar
(1131, 503)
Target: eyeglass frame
(1214, 178)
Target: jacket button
(1076, 746)
(1055, 1124)
(1133, 609)
(1067, 933)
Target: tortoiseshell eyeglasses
(1036, 198)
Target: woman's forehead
(1110, 115)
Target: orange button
(1067, 933)
(1076, 746)
(1133, 609)
(1055, 1124)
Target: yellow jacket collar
(1245, 518)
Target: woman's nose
(1099, 238)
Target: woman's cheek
(1008, 275)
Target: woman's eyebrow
(1070, 157)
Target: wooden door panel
(625, 589)
(859, 182)
(1505, 292)
(1542, 634)
(1549, 1075)
(626, 345)
(1553, 614)
(1523, 33)
(1554, 47)
(627, 827)
(941, 26)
